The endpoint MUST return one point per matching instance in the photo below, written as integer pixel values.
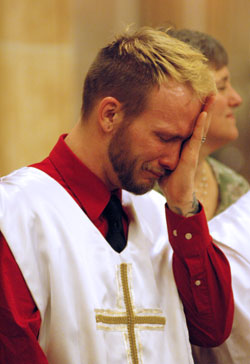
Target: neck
(91, 147)
(84, 143)
(206, 188)
(201, 177)
(204, 153)
(201, 170)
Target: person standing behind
(216, 185)
(86, 266)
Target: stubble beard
(124, 164)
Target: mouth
(158, 174)
(154, 174)
(230, 116)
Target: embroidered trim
(130, 319)
(130, 314)
(116, 320)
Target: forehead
(175, 93)
(174, 105)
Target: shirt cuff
(188, 236)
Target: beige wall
(179, 13)
(228, 20)
(46, 47)
(36, 67)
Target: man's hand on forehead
(178, 186)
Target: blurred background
(47, 46)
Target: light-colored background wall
(46, 47)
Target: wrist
(185, 208)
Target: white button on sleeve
(197, 283)
(188, 236)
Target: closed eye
(167, 138)
(221, 88)
(163, 139)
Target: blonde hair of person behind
(134, 63)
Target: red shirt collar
(90, 192)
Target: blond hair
(130, 66)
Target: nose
(170, 158)
(234, 98)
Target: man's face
(149, 146)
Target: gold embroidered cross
(148, 319)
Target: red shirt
(201, 270)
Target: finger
(191, 147)
(206, 124)
(209, 103)
(208, 107)
(200, 129)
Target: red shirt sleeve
(19, 318)
(203, 279)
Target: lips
(157, 174)
(230, 115)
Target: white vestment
(96, 306)
(231, 230)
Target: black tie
(113, 213)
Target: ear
(109, 113)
